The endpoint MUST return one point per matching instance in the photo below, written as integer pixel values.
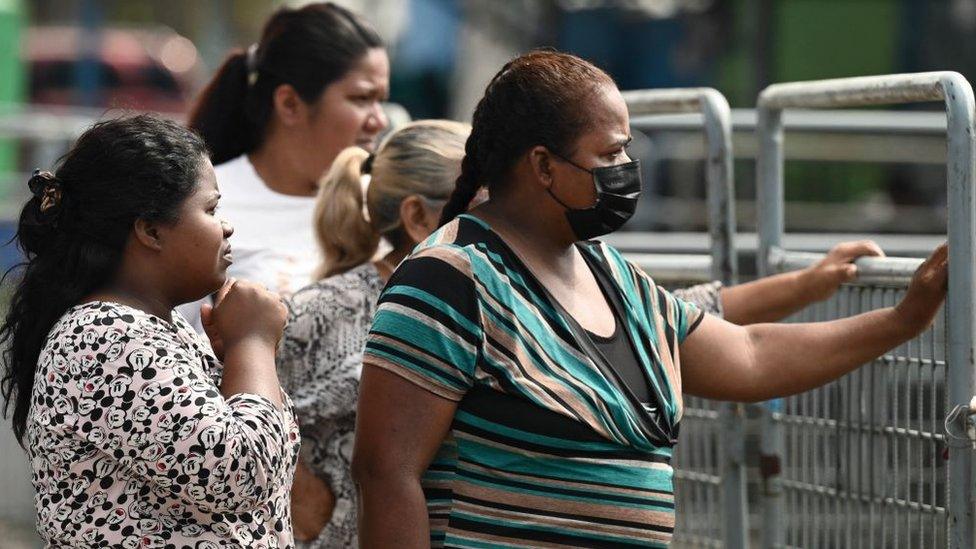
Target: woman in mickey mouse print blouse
(137, 435)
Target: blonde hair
(423, 158)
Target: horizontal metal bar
(858, 428)
(700, 413)
(850, 496)
(855, 92)
(674, 267)
(694, 476)
(834, 121)
(644, 102)
(899, 245)
(880, 271)
(691, 540)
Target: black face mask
(617, 190)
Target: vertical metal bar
(961, 308)
(721, 196)
(769, 197)
(919, 444)
(934, 379)
(960, 328)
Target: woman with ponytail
(137, 435)
(395, 194)
(274, 118)
(522, 382)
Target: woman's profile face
(604, 143)
(349, 112)
(195, 249)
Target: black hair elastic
(47, 187)
(367, 166)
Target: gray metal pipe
(717, 125)
(956, 92)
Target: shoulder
(102, 317)
(460, 244)
(348, 288)
(239, 182)
(232, 169)
(95, 339)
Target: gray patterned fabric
(706, 296)
(319, 365)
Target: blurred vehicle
(126, 68)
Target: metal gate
(864, 461)
(710, 480)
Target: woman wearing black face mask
(523, 386)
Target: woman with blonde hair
(396, 195)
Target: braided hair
(535, 99)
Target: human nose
(227, 228)
(377, 120)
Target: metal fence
(709, 461)
(864, 461)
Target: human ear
(414, 218)
(148, 234)
(540, 160)
(289, 106)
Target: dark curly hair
(73, 231)
(536, 99)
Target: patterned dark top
(132, 445)
(546, 447)
(319, 364)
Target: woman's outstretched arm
(723, 361)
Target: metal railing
(710, 476)
(864, 461)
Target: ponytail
(221, 116)
(346, 237)
(307, 48)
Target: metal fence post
(959, 381)
(769, 197)
(721, 215)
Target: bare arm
(399, 428)
(312, 503)
(775, 297)
(727, 362)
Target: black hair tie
(47, 187)
(367, 166)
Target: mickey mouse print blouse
(132, 445)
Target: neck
(536, 238)
(276, 167)
(391, 260)
(396, 256)
(137, 297)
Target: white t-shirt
(274, 240)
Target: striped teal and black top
(548, 446)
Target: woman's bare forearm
(249, 367)
(765, 300)
(763, 361)
(792, 358)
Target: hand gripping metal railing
(865, 461)
(710, 457)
